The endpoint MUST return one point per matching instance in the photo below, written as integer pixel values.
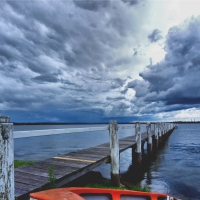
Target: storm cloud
(173, 83)
(86, 61)
(66, 57)
(155, 36)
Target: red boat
(84, 193)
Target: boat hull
(85, 193)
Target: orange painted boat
(84, 193)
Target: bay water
(174, 169)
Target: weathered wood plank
(19, 194)
(85, 156)
(33, 171)
(88, 155)
(105, 145)
(95, 150)
(26, 187)
(58, 169)
(29, 179)
(66, 163)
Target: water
(174, 170)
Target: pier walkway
(66, 167)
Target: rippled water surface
(175, 169)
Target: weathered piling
(160, 132)
(149, 138)
(136, 154)
(163, 131)
(114, 153)
(155, 143)
(6, 159)
(167, 129)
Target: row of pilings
(154, 139)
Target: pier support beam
(149, 138)
(163, 131)
(6, 159)
(137, 153)
(160, 133)
(114, 153)
(155, 142)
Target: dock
(19, 183)
(67, 167)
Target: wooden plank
(58, 170)
(85, 156)
(21, 194)
(74, 159)
(127, 143)
(90, 153)
(66, 163)
(129, 140)
(101, 151)
(35, 171)
(105, 145)
(56, 167)
(102, 146)
(25, 187)
(29, 179)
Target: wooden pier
(19, 183)
(67, 167)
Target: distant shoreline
(75, 123)
(60, 123)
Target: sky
(100, 60)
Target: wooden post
(114, 153)
(164, 131)
(6, 159)
(168, 128)
(160, 133)
(156, 126)
(138, 143)
(149, 138)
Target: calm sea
(174, 170)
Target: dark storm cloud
(115, 99)
(155, 36)
(173, 83)
(117, 83)
(71, 55)
(46, 78)
(92, 5)
(133, 2)
(139, 86)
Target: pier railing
(7, 147)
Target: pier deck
(65, 167)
